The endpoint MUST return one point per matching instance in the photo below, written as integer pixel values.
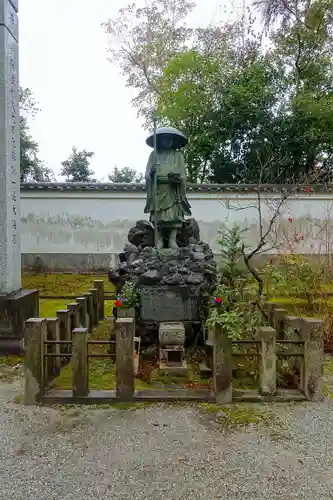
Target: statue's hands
(174, 178)
(153, 170)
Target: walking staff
(155, 180)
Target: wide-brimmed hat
(179, 139)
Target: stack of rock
(191, 264)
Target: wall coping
(198, 188)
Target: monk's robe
(172, 204)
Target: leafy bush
(302, 277)
(231, 249)
(294, 277)
(129, 295)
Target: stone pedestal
(15, 309)
(174, 284)
(172, 350)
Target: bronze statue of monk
(169, 167)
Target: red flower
(218, 300)
(117, 303)
(271, 260)
(308, 189)
(302, 237)
(290, 220)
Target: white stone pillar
(10, 251)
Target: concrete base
(59, 397)
(174, 369)
(15, 309)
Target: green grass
(299, 307)
(49, 307)
(63, 284)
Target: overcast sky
(83, 100)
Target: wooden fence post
(222, 365)
(269, 308)
(267, 336)
(90, 310)
(124, 358)
(64, 324)
(73, 307)
(35, 335)
(99, 284)
(292, 331)
(80, 362)
(312, 333)
(278, 316)
(53, 333)
(94, 292)
(83, 313)
(65, 332)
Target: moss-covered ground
(239, 415)
(64, 284)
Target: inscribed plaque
(172, 333)
(167, 303)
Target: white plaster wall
(98, 222)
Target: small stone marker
(172, 333)
(172, 350)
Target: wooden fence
(52, 342)
(48, 341)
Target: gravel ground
(161, 452)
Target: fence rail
(107, 296)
